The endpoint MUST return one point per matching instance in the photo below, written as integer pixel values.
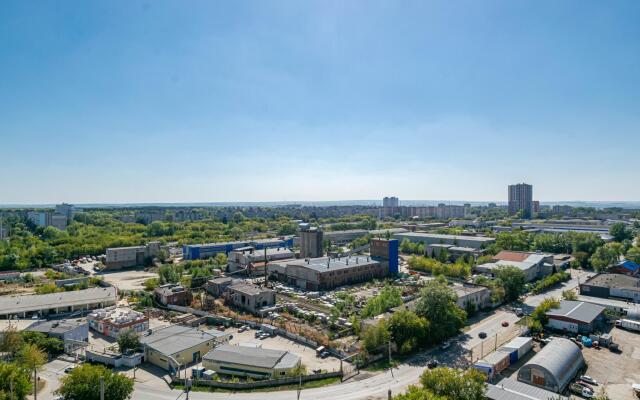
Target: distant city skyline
(114, 101)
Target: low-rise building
(254, 362)
(172, 294)
(511, 389)
(57, 303)
(249, 297)
(476, 242)
(66, 329)
(472, 295)
(612, 285)
(217, 286)
(201, 251)
(251, 260)
(452, 252)
(112, 321)
(576, 317)
(123, 257)
(326, 273)
(175, 346)
(534, 265)
(626, 267)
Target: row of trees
(459, 269)
(550, 281)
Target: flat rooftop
(252, 356)
(37, 302)
(614, 281)
(249, 289)
(175, 338)
(57, 326)
(324, 264)
(419, 235)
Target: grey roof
(521, 265)
(518, 342)
(561, 358)
(251, 356)
(510, 389)
(37, 302)
(618, 281)
(249, 289)
(57, 326)
(577, 310)
(419, 235)
(320, 264)
(175, 338)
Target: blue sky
(174, 101)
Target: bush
(551, 280)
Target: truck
(628, 324)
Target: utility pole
(35, 384)
(11, 387)
(102, 388)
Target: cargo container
(517, 348)
(497, 362)
(628, 324)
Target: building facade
(520, 198)
(114, 320)
(328, 273)
(171, 294)
(123, 257)
(253, 362)
(311, 242)
(249, 297)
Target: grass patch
(381, 365)
(305, 385)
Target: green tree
(605, 256)
(569, 295)
(83, 383)
(633, 254)
(11, 341)
(513, 281)
(539, 318)
(437, 303)
(375, 336)
(50, 345)
(620, 232)
(32, 358)
(388, 297)
(408, 330)
(448, 384)
(128, 340)
(14, 378)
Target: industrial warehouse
(553, 367)
(254, 362)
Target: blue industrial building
(199, 251)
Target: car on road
(505, 323)
(69, 369)
(482, 335)
(589, 380)
(519, 312)
(243, 328)
(432, 364)
(445, 345)
(324, 354)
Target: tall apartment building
(520, 198)
(60, 218)
(67, 210)
(535, 206)
(310, 241)
(390, 206)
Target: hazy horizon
(114, 101)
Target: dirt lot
(617, 371)
(308, 354)
(128, 280)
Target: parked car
(505, 323)
(69, 369)
(482, 335)
(324, 354)
(243, 328)
(445, 345)
(432, 364)
(588, 379)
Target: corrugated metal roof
(577, 310)
(518, 342)
(509, 389)
(250, 356)
(175, 338)
(561, 358)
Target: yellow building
(254, 362)
(177, 346)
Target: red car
(505, 323)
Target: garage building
(576, 317)
(554, 366)
(248, 361)
(176, 346)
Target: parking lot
(308, 354)
(616, 371)
(129, 279)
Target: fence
(491, 344)
(260, 384)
